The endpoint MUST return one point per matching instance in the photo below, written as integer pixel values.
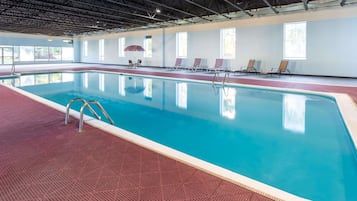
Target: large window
(121, 47)
(85, 48)
(295, 40)
(148, 46)
(228, 43)
(181, 45)
(6, 55)
(67, 53)
(27, 53)
(101, 49)
(55, 53)
(41, 53)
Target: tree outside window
(295, 40)
(228, 43)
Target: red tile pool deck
(41, 159)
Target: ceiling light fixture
(67, 41)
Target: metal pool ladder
(86, 104)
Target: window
(67, 54)
(85, 48)
(27, 53)
(295, 40)
(148, 46)
(16, 53)
(101, 49)
(41, 53)
(121, 47)
(54, 53)
(228, 43)
(7, 55)
(181, 45)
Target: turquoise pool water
(295, 142)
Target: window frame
(121, 47)
(179, 44)
(101, 45)
(148, 50)
(222, 43)
(85, 48)
(287, 55)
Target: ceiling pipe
(175, 9)
(239, 8)
(76, 11)
(343, 3)
(271, 7)
(207, 9)
(120, 11)
(305, 4)
(141, 9)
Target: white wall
(331, 44)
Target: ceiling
(78, 17)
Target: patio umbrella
(137, 86)
(134, 48)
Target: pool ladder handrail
(86, 104)
(225, 78)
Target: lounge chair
(139, 62)
(131, 65)
(178, 64)
(196, 64)
(249, 68)
(283, 68)
(218, 66)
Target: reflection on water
(85, 80)
(121, 84)
(101, 82)
(228, 102)
(181, 95)
(27, 80)
(40, 79)
(147, 88)
(294, 112)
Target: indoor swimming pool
(293, 141)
